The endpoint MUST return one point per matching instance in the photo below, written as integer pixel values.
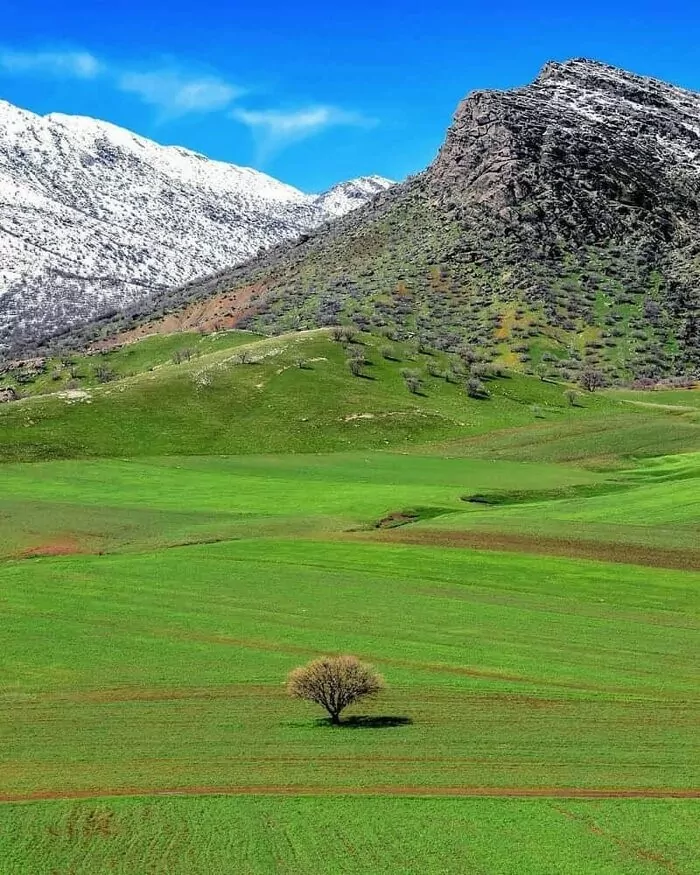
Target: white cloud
(173, 90)
(74, 65)
(176, 91)
(275, 129)
(178, 94)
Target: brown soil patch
(378, 790)
(398, 518)
(218, 313)
(630, 554)
(61, 546)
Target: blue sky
(316, 92)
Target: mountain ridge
(555, 232)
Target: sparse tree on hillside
(468, 355)
(343, 334)
(354, 366)
(182, 355)
(592, 380)
(334, 682)
(356, 351)
(104, 374)
(571, 395)
(476, 389)
(413, 380)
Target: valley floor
(542, 705)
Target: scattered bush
(104, 374)
(591, 380)
(476, 389)
(355, 366)
(413, 381)
(182, 355)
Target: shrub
(104, 374)
(476, 389)
(354, 366)
(591, 380)
(182, 355)
(413, 381)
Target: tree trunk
(335, 718)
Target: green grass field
(160, 580)
(369, 835)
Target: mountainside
(94, 217)
(557, 231)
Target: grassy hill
(294, 393)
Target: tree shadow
(368, 721)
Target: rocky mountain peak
(594, 150)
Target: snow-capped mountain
(94, 217)
(346, 196)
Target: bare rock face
(586, 150)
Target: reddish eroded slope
(218, 313)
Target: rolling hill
(237, 392)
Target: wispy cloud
(175, 89)
(172, 89)
(73, 65)
(175, 93)
(274, 129)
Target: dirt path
(631, 554)
(379, 790)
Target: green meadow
(371, 835)
(524, 572)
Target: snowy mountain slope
(94, 217)
(347, 196)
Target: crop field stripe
(384, 790)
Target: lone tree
(592, 380)
(334, 682)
